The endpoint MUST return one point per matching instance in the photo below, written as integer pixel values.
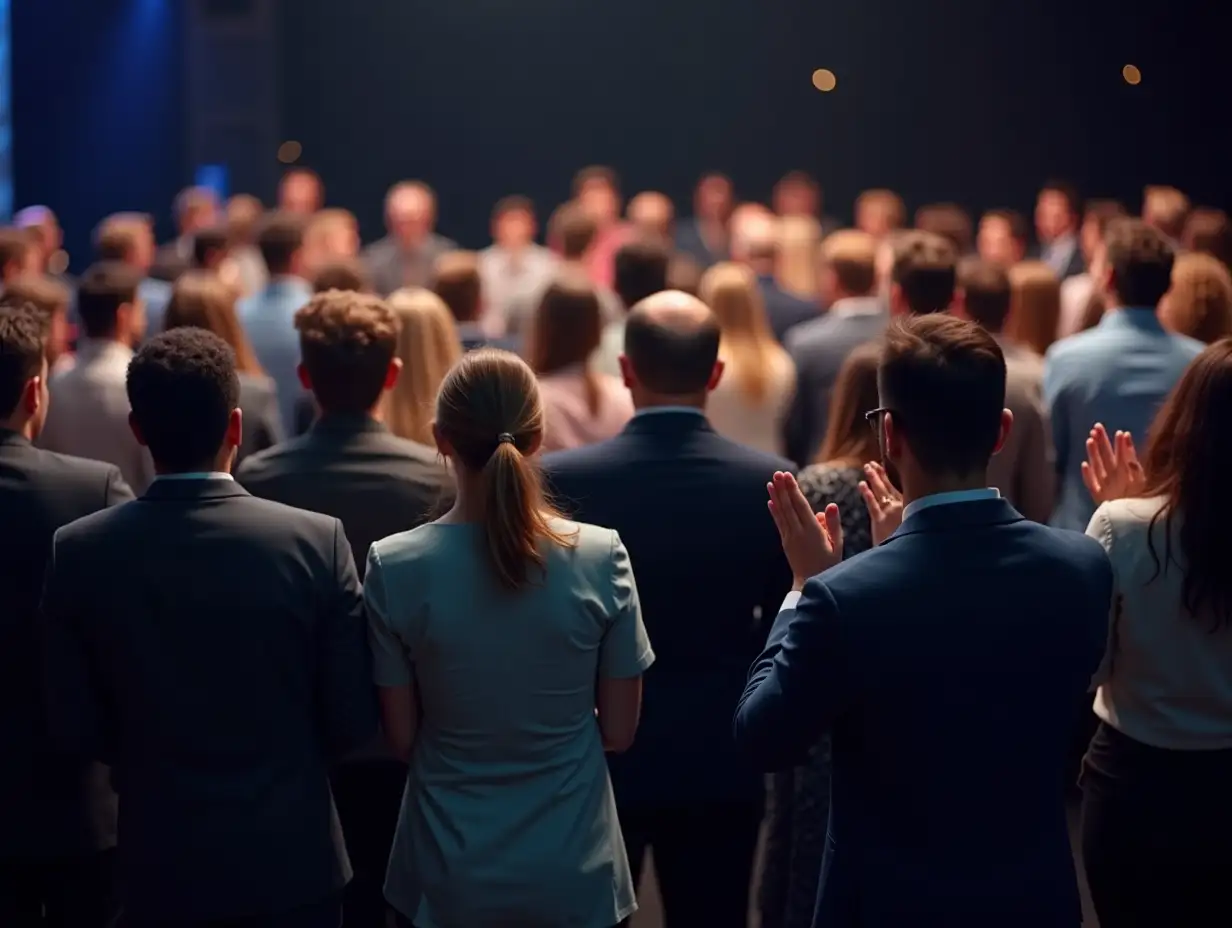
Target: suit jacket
(1117, 373)
(819, 349)
(691, 508)
(949, 665)
(691, 241)
(50, 804)
(356, 470)
(269, 320)
(785, 310)
(88, 413)
(262, 418)
(392, 267)
(212, 647)
(1024, 468)
(1064, 256)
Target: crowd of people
(407, 583)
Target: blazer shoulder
(599, 456)
(751, 459)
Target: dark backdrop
(971, 100)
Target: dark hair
(341, 274)
(280, 237)
(512, 204)
(1188, 454)
(986, 292)
(668, 360)
(1067, 190)
(489, 411)
(1102, 212)
(1019, 231)
(459, 284)
(566, 329)
(573, 230)
(926, 269)
(1141, 260)
(852, 257)
(15, 244)
(949, 221)
(23, 337)
(595, 174)
(640, 270)
(46, 294)
(1208, 231)
(103, 289)
(347, 341)
(943, 378)
(182, 387)
(848, 437)
(117, 236)
(207, 243)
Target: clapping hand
(813, 542)
(1111, 470)
(884, 503)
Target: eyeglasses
(873, 416)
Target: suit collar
(672, 420)
(192, 490)
(9, 437)
(346, 424)
(958, 516)
(1143, 318)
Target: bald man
(407, 255)
(690, 506)
(755, 242)
(652, 213)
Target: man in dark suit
(212, 647)
(755, 243)
(57, 812)
(947, 663)
(704, 237)
(1058, 222)
(690, 506)
(351, 467)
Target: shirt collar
(90, 348)
(652, 410)
(945, 499)
(199, 475)
(856, 306)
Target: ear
(626, 372)
(235, 429)
(32, 395)
(898, 306)
(305, 380)
(893, 436)
(442, 443)
(1007, 425)
(136, 430)
(716, 374)
(391, 375)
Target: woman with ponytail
(509, 649)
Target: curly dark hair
(23, 331)
(182, 387)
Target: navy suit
(691, 508)
(949, 665)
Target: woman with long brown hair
(799, 799)
(1200, 302)
(201, 299)
(1035, 306)
(759, 379)
(580, 405)
(1157, 823)
(509, 650)
(429, 346)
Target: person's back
(220, 665)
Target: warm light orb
(1132, 75)
(289, 152)
(824, 80)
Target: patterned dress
(798, 800)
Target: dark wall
(97, 110)
(950, 99)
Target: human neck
(467, 505)
(221, 464)
(918, 485)
(643, 400)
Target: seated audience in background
(750, 402)
(459, 284)
(201, 299)
(428, 347)
(331, 235)
(847, 278)
(596, 190)
(1023, 469)
(894, 655)
(514, 269)
(1156, 824)
(704, 236)
(52, 299)
(220, 742)
(48, 237)
(798, 798)
(1200, 302)
(690, 506)
(1058, 218)
(407, 256)
(301, 192)
(1002, 237)
(1035, 306)
(89, 412)
(503, 687)
(755, 243)
(796, 268)
(684, 274)
(1118, 372)
(924, 275)
(128, 238)
(341, 274)
(196, 208)
(57, 812)
(880, 212)
(949, 221)
(1078, 291)
(1209, 232)
(243, 215)
(797, 195)
(351, 467)
(571, 233)
(211, 250)
(20, 255)
(1166, 209)
(641, 271)
(269, 315)
(651, 214)
(580, 405)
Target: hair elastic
(505, 438)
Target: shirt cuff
(790, 600)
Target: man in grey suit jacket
(219, 665)
(89, 413)
(407, 256)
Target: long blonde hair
(1200, 302)
(490, 413)
(201, 299)
(748, 346)
(429, 346)
(1035, 305)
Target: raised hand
(1112, 470)
(813, 542)
(884, 503)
